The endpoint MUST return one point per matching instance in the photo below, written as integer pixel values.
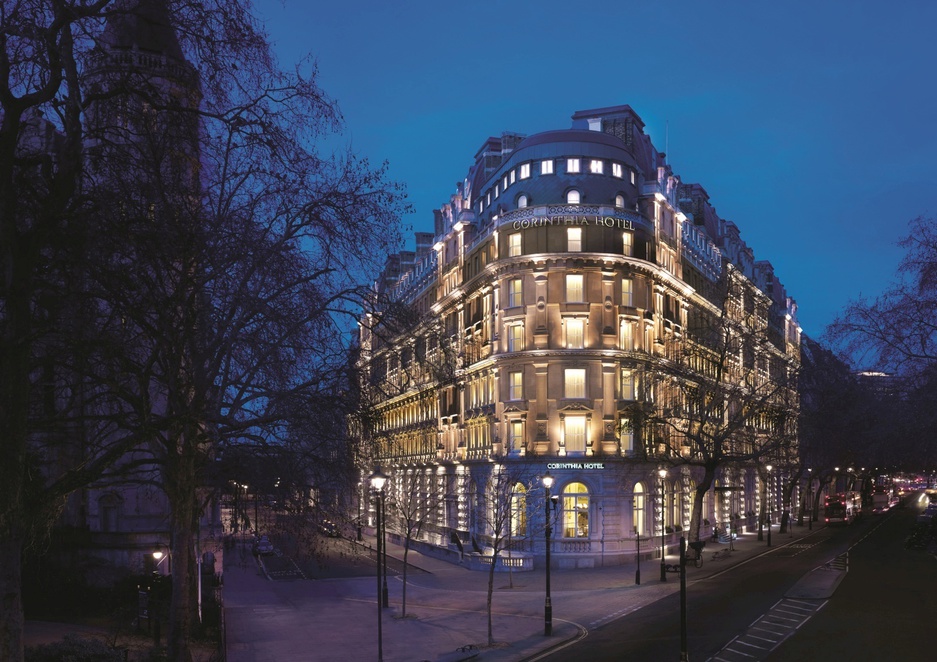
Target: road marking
(786, 615)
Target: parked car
(329, 528)
(263, 546)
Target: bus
(842, 508)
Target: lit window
(497, 191)
(632, 176)
(572, 165)
(488, 199)
(519, 506)
(515, 435)
(504, 183)
(573, 197)
(515, 337)
(627, 292)
(514, 244)
(627, 384)
(521, 201)
(511, 176)
(617, 170)
(620, 201)
(525, 170)
(595, 167)
(515, 293)
(516, 386)
(546, 167)
(574, 293)
(627, 336)
(638, 514)
(481, 206)
(574, 240)
(575, 333)
(574, 383)
(628, 244)
(575, 496)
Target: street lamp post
(637, 543)
(663, 546)
(384, 598)
(810, 502)
(770, 505)
(378, 479)
(548, 530)
(684, 653)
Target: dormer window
(573, 197)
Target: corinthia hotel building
(558, 272)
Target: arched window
(521, 201)
(519, 511)
(639, 513)
(576, 511)
(573, 197)
(620, 201)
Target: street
(879, 607)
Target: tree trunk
(491, 588)
(11, 599)
(696, 519)
(406, 552)
(763, 508)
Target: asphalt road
(719, 608)
(884, 609)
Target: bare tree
(219, 248)
(723, 397)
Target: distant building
(112, 527)
(561, 271)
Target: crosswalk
(769, 631)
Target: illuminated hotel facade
(559, 273)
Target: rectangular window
(546, 167)
(488, 199)
(632, 176)
(627, 292)
(626, 440)
(574, 240)
(627, 336)
(595, 167)
(511, 176)
(514, 244)
(575, 333)
(497, 191)
(572, 165)
(574, 293)
(516, 386)
(627, 242)
(515, 293)
(504, 183)
(574, 383)
(627, 384)
(617, 170)
(515, 337)
(515, 435)
(574, 429)
(525, 170)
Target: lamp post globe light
(548, 531)
(663, 546)
(770, 503)
(378, 479)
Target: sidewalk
(337, 619)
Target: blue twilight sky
(811, 124)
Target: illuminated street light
(378, 480)
(547, 605)
(663, 547)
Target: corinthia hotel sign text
(576, 465)
(604, 221)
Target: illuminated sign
(576, 465)
(602, 221)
